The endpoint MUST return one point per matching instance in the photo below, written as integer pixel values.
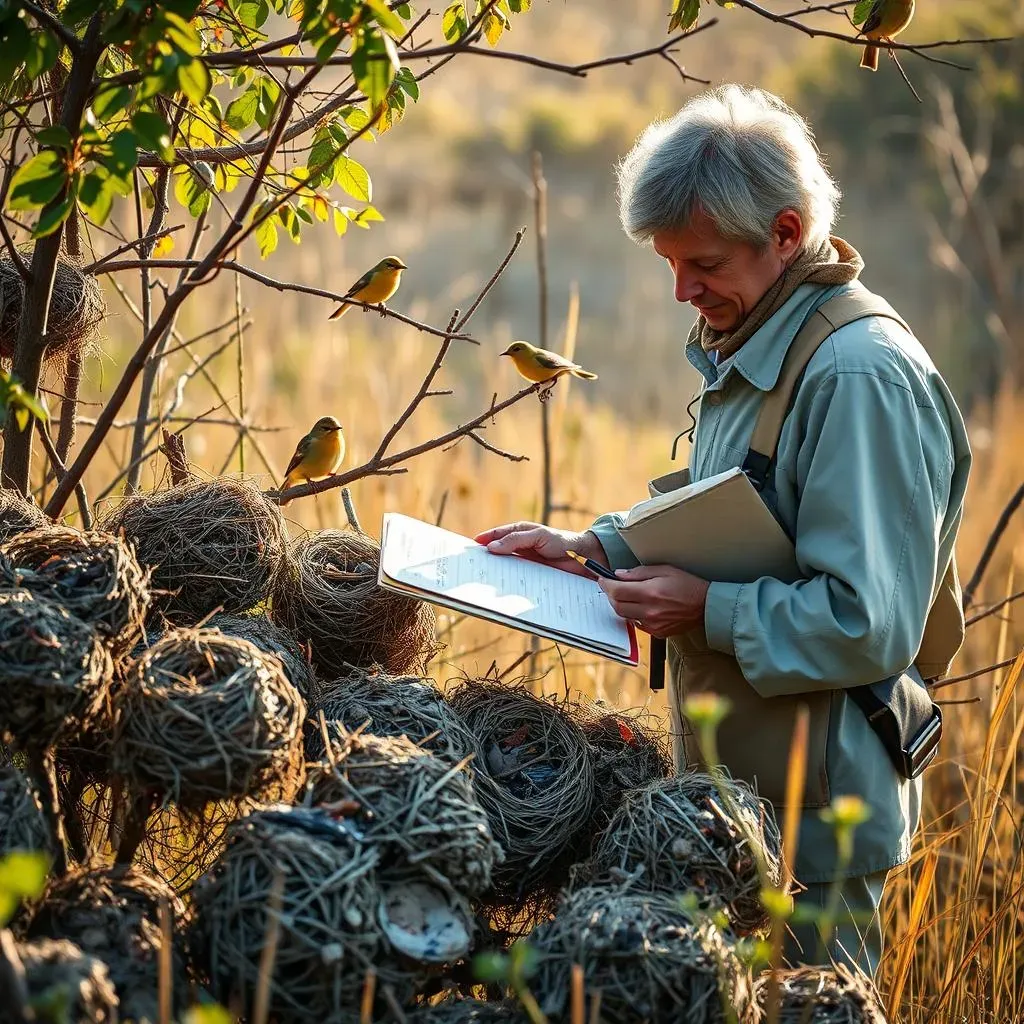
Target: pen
(595, 567)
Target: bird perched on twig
(376, 286)
(539, 365)
(885, 21)
(317, 455)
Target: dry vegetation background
(453, 182)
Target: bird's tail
(584, 374)
(870, 58)
(340, 311)
(289, 481)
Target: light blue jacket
(869, 482)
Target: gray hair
(738, 154)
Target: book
(718, 528)
(424, 561)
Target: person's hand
(660, 599)
(544, 544)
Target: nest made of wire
(421, 810)
(57, 975)
(54, 669)
(214, 545)
(76, 309)
(329, 598)
(642, 957)
(822, 995)
(23, 825)
(94, 575)
(18, 515)
(534, 778)
(114, 914)
(203, 716)
(388, 705)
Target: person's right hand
(544, 544)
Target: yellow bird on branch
(885, 21)
(320, 453)
(539, 365)
(375, 287)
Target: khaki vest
(754, 739)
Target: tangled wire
(23, 825)
(213, 545)
(642, 958)
(676, 836)
(18, 515)
(203, 717)
(819, 995)
(329, 598)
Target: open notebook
(445, 568)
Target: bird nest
(470, 1011)
(388, 706)
(203, 717)
(677, 836)
(216, 545)
(57, 975)
(642, 958)
(18, 515)
(23, 825)
(271, 639)
(77, 308)
(94, 575)
(420, 810)
(54, 669)
(820, 995)
(534, 778)
(113, 914)
(307, 871)
(329, 598)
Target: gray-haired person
(867, 477)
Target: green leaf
(125, 153)
(353, 178)
(194, 80)
(340, 222)
(684, 15)
(211, 1014)
(42, 53)
(266, 237)
(404, 11)
(110, 101)
(192, 192)
(374, 64)
(384, 17)
(407, 82)
(37, 181)
(363, 218)
(862, 10)
(356, 118)
(304, 214)
(152, 131)
(268, 92)
(321, 157)
(180, 33)
(52, 218)
(494, 24)
(242, 111)
(96, 195)
(454, 22)
(22, 874)
(519, 6)
(15, 41)
(490, 967)
(56, 135)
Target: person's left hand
(661, 599)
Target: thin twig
(943, 683)
(60, 470)
(155, 236)
(991, 544)
(992, 609)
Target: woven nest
(206, 717)
(22, 822)
(329, 598)
(94, 575)
(53, 668)
(214, 545)
(535, 780)
(388, 706)
(676, 836)
(114, 915)
(470, 1011)
(18, 515)
(76, 308)
(271, 639)
(818, 995)
(61, 980)
(419, 809)
(644, 958)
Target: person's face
(721, 278)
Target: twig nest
(648, 962)
(54, 670)
(271, 639)
(471, 1011)
(203, 716)
(94, 575)
(680, 835)
(819, 995)
(419, 809)
(76, 308)
(23, 825)
(58, 975)
(215, 545)
(329, 598)
(388, 706)
(534, 778)
(18, 515)
(113, 914)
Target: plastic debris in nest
(643, 956)
(23, 825)
(822, 995)
(675, 836)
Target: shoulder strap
(854, 304)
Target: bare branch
(494, 449)
(991, 544)
(992, 609)
(942, 684)
(60, 470)
(136, 243)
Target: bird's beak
(507, 351)
(401, 265)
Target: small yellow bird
(376, 286)
(886, 20)
(319, 454)
(538, 364)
